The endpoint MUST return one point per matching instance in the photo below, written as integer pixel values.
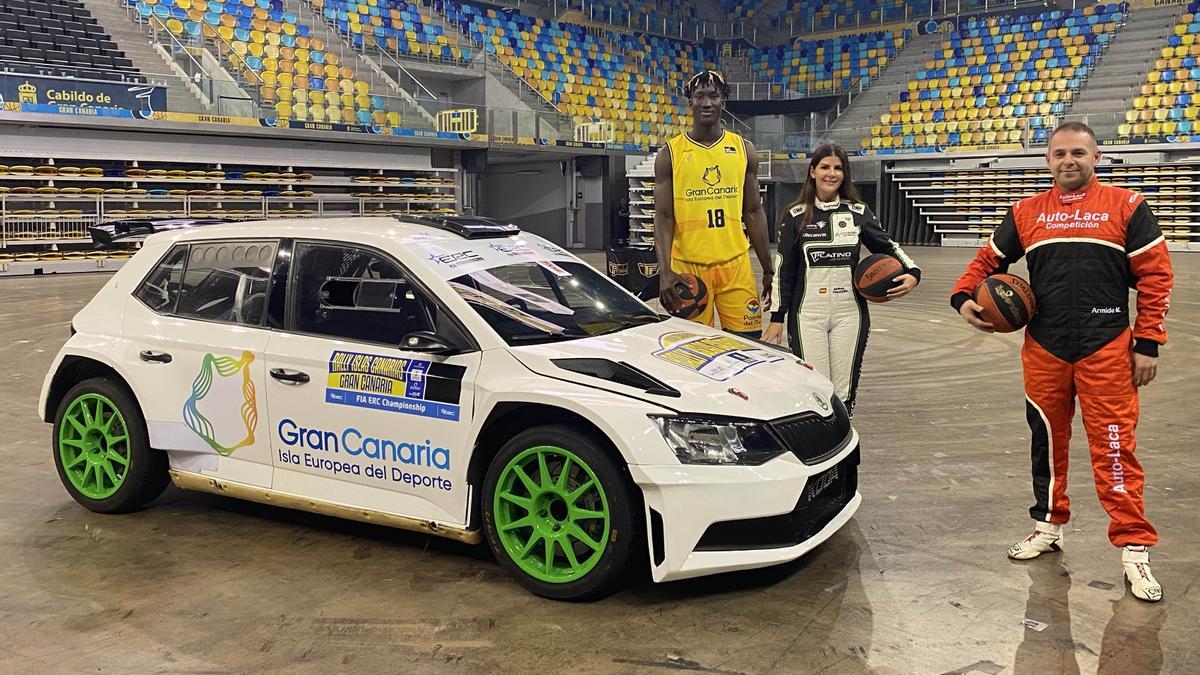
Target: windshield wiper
(549, 337)
(639, 320)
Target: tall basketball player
(705, 189)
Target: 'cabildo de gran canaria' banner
(81, 94)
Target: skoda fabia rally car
(453, 376)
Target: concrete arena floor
(917, 582)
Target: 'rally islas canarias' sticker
(717, 357)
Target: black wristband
(1146, 347)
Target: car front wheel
(559, 514)
(102, 450)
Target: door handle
(155, 357)
(289, 376)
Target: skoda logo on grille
(822, 403)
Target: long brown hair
(808, 194)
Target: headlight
(707, 440)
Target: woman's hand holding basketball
(904, 286)
(773, 332)
(970, 313)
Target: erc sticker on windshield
(406, 386)
(715, 357)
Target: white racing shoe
(1136, 561)
(1045, 538)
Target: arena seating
(273, 56)
(59, 38)
(671, 61)
(995, 78)
(393, 26)
(1166, 108)
(580, 73)
(826, 65)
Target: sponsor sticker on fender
(715, 357)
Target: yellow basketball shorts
(732, 293)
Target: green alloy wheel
(558, 514)
(101, 448)
(93, 445)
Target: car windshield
(543, 301)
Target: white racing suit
(827, 320)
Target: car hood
(713, 372)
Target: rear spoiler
(137, 229)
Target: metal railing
(683, 29)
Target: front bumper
(710, 519)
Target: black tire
(146, 475)
(624, 515)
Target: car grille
(824, 497)
(812, 438)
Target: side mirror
(427, 342)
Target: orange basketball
(875, 275)
(693, 296)
(1007, 300)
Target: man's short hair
(707, 78)
(1078, 127)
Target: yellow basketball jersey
(708, 181)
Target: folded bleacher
(59, 38)
(997, 80)
(275, 58)
(834, 64)
(1166, 108)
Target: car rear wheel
(102, 451)
(559, 514)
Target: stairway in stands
(146, 58)
(855, 121)
(1115, 82)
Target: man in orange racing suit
(1085, 244)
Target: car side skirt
(186, 480)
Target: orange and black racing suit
(1084, 250)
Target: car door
(194, 349)
(356, 419)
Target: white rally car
(453, 376)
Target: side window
(227, 281)
(355, 294)
(160, 289)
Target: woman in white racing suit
(819, 239)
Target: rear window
(214, 281)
